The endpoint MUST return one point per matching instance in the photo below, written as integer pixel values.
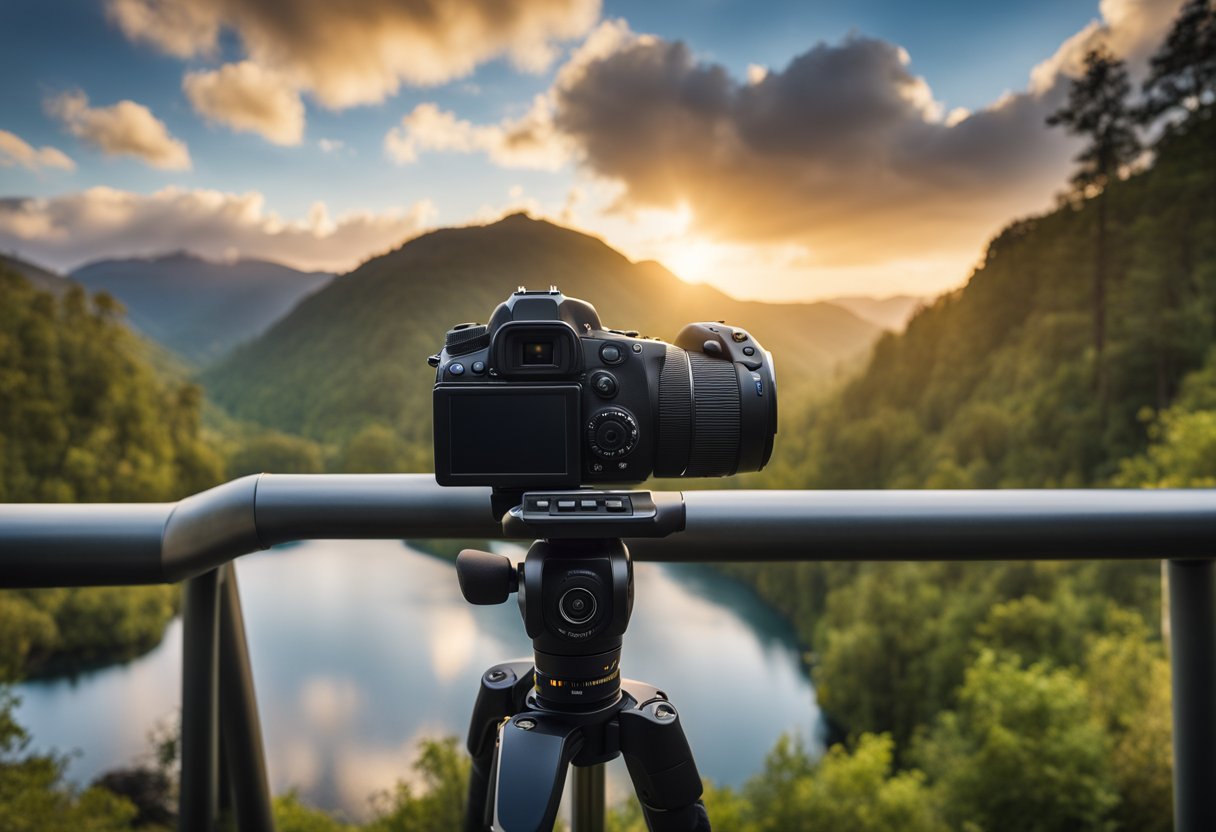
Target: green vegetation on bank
(85, 419)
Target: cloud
(361, 51)
(16, 151)
(122, 129)
(249, 99)
(527, 142)
(844, 151)
(67, 230)
(1131, 29)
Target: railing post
(241, 730)
(587, 806)
(199, 796)
(1192, 598)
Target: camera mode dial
(612, 433)
(463, 339)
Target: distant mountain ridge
(200, 309)
(891, 313)
(353, 353)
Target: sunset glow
(821, 155)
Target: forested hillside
(84, 418)
(353, 356)
(993, 386)
(1082, 352)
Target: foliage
(275, 452)
(1183, 70)
(34, 796)
(1021, 752)
(86, 419)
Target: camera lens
(577, 605)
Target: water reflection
(360, 649)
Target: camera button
(566, 505)
(637, 347)
(611, 354)
(746, 351)
(614, 505)
(712, 347)
(456, 369)
(478, 367)
(587, 505)
(604, 384)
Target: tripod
(569, 705)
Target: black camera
(543, 396)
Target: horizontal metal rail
(82, 545)
(141, 543)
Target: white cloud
(64, 231)
(361, 51)
(122, 129)
(248, 98)
(1131, 29)
(14, 150)
(526, 142)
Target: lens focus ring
(716, 417)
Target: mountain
(996, 384)
(353, 354)
(198, 308)
(891, 313)
(38, 277)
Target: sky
(780, 151)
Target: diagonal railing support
(240, 727)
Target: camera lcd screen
(502, 434)
(538, 353)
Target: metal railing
(196, 539)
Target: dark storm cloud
(844, 149)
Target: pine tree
(1183, 71)
(1098, 110)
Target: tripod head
(575, 586)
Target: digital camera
(543, 396)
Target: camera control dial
(612, 433)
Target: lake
(361, 648)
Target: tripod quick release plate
(595, 514)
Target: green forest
(962, 696)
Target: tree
(1183, 70)
(855, 790)
(1021, 752)
(1098, 110)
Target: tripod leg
(503, 688)
(534, 751)
(661, 767)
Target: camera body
(543, 396)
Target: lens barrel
(708, 425)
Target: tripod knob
(485, 578)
